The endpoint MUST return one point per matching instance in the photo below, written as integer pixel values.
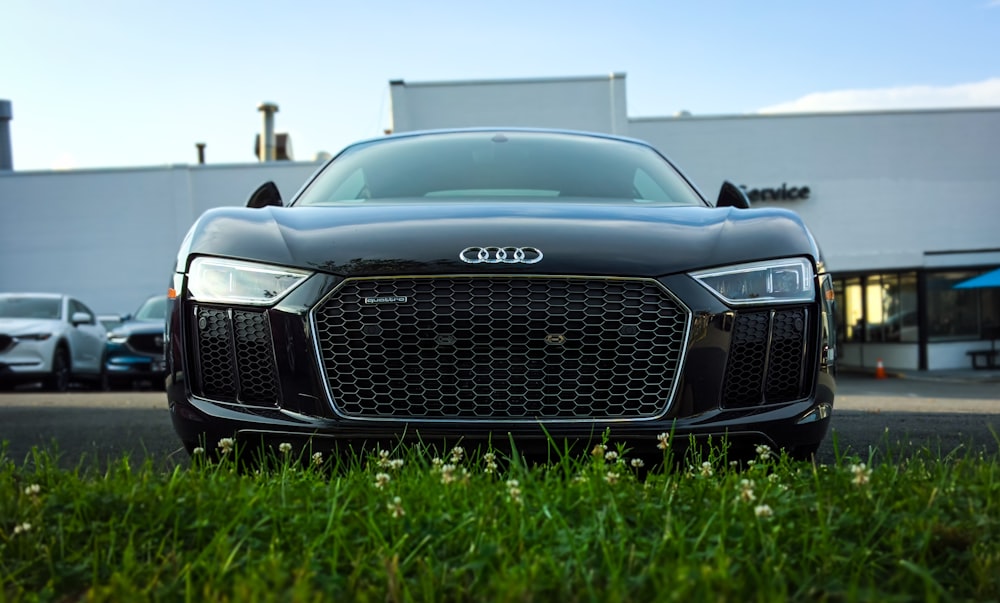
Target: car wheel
(103, 381)
(58, 381)
(117, 384)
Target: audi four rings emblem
(500, 255)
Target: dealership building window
(915, 307)
(878, 307)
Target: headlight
(34, 337)
(233, 281)
(116, 337)
(775, 281)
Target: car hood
(25, 326)
(132, 327)
(426, 238)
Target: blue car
(134, 356)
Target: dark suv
(135, 347)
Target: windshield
(499, 165)
(30, 307)
(154, 308)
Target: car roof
(40, 295)
(555, 132)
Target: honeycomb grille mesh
(501, 348)
(766, 358)
(236, 356)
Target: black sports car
(500, 285)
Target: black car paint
(425, 238)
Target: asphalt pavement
(947, 413)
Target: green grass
(405, 526)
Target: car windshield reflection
(29, 307)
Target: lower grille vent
(147, 343)
(235, 356)
(766, 358)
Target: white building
(904, 204)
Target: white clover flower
(581, 479)
(706, 469)
(395, 464)
(611, 456)
(383, 458)
(284, 447)
(861, 474)
(21, 528)
(436, 463)
(664, 441)
(514, 491)
(382, 480)
(746, 491)
(33, 490)
(763, 511)
(456, 454)
(226, 445)
(638, 463)
(198, 451)
(773, 477)
(599, 450)
(448, 473)
(764, 451)
(611, 477)
(317, 458)
(396, 507)
(491, 465)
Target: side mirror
(732, 196)
(80, 318)
(266, 195)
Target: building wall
(584, 103)
(110, 237)
(887, 189)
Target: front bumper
(27, 358)
(268, 381)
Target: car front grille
(767, 358)
(501, 348)
(235, 356)
(147, 343)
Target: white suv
(50, 338)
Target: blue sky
(131, 83)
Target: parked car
(135, 347)
(495, 285)
(110, 321)
(50, 338)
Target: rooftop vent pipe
(6, 156)
(266, 151)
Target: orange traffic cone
(880, 370)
